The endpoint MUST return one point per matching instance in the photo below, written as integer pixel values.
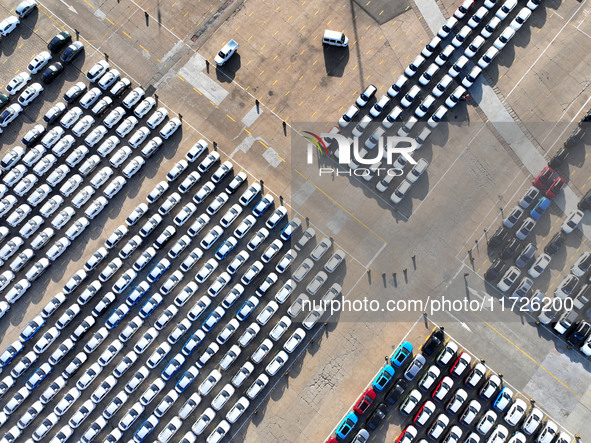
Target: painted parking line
(526, 354)
(342, 207)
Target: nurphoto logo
(379, 162)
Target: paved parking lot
(384, 262)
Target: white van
(334, 38)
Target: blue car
(263, 204)
(503, 399)
(146, 428)
(346, 426)
(137, 293)
(31, 329)
(148, 307)
(38, 376)
(247, 308)
(191, 344)
(158, 270)
(540, 207)
(383, 378)
(403, 352)
(116, 317)
(225, 248)
(10, 353)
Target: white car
(488, 57)
(521, 18)
(257, 386)
(18, 215)
(83, 196)
(95, 136)
(156, 118)
(170, 128)
(18, 82)
(151, 146)
(138, 137)
(223, 396)
(72, 118)
(77, 228)
(24, 185)
(33, 155)
(114, 117)
(126, 126)
(96, 207)
(10, 114)
(90, 97)
(30, 94)
(506, 8)
(177, 170)
(108, 79)
(572, 220)
(144, 107)
(77, 156)
(208, 162)
(133, 97)
(120, 156)
(504, 38)
(97, 70)
(89, 165)
(52, 136)
(134, 165)
(294, 340)
(101, 177)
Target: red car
(555, 187)
(364, 402)
(545, 178)
(332, 440)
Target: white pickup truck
(227, 51)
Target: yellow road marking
(126, 34)
(266, 147)
(109, 20)
(88, 4)
(197, 91)
(340, 206)
(527, 355)
(247, 131)
(230, 117)
(180, 77)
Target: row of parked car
(190, 289)
(476, 21)
(572, 292)
(461, 387)
(51, 151)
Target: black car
(510, 249)
(377, 417)
(495, 270)
(498, 237)
(585, 202)
(579, 335)
(74, 92)
(59, 41)
(558, 158)
(395, 393)
(32, 137)
(556, 243)
(574, 138)
(434, 343)
(52, 72)
(54, 113)
(71, 52)
(4, 99)
(586, 118)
